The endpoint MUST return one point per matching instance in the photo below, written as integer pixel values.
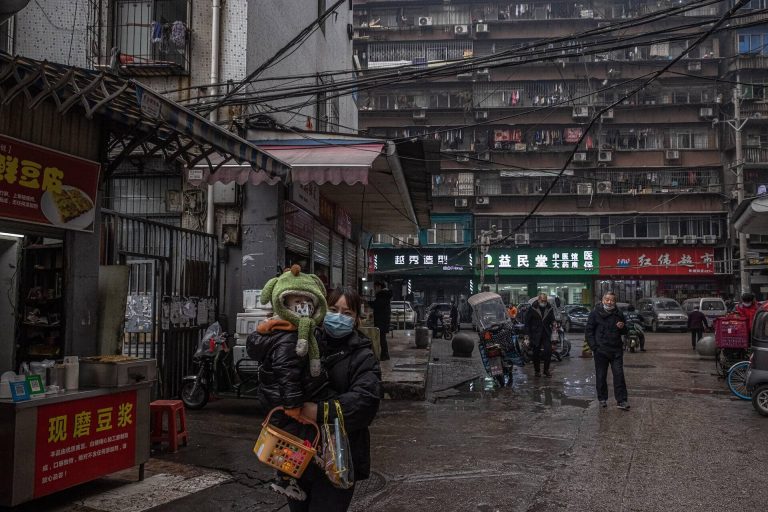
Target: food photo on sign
(43, 186)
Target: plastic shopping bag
(335, 457)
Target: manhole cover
(372, 485)
(639, 366)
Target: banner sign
(421, 261)
(673, 261)
(542, 262)
(47, 187)
(81, 440)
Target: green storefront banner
(542, 262)
(422, 261)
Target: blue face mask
(338, 325)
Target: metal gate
(172, 291)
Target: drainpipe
(210, 219)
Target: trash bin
(421, 337)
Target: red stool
(177, 431)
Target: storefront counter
(62, 440)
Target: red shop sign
(43, 186)
(81, 440)
(657, 261)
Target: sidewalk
(404, 376)
(446, 371)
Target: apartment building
(643, 207)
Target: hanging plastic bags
(336, 457)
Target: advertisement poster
(47, 187)
(657, 261)
(542, 262)
(81, 440)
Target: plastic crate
(731, 331)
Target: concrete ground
(541, 444)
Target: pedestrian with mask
(697, 322)
(382, 315)
(605, 327)
(538, 325)
(748, 309)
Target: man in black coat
(605, 327)
(697, 322)
(538, 325)
(382, 315)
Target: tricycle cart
(731, 341)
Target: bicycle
(737, 380)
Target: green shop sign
(542, 262)
(421, 261)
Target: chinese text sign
(544, 261)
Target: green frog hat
(306, 310)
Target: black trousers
(542, 351)
(384, 347)
(696, 335)
(321, 495)
(616, 362)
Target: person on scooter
(633, 322)
(538, 325)
(605, 327)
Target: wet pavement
(538, 444)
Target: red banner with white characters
(81, 440)
(43, 186)
(657, 261)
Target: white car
(403, 315)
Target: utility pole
(486, 237)
(738, 124)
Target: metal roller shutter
(350, 279)
(296, 244)
(322, 245)
(337, 260)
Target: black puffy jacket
(283, 371)
(602, 333)
(538, 324)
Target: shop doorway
(9, 272)
(514, 293)
(569, 293)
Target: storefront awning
(141, 121)
(751, 216)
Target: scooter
(217, 372)
(498, 345)
(633, 336)
(561, 347)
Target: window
(753, 44)
(6, 36)
(153, 34)
(449, 233)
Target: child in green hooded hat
(286, 347)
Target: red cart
(731, 341)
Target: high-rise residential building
(643, 207)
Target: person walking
(353, 377)
(697, 322)
(538, 325)
(382, 315)
(748, 309)
(454, 317)
(605, 327)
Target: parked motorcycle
(222, 369)
(498, 345)
(633, 338)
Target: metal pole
(743, 277)
(210, 220)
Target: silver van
(661, 313)
(712, 307)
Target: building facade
(647, 192)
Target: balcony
(755, 155)
(748, 62)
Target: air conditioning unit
(484, 73)
(425, 21)
(709, 239)
(485, 156)
(461, 203)
(706, 112)
(481, 114)
(605, 156)
(420, 114)
(587, 13)
(694, 65)
(468, 75)
(579, 157)
(607, 238)
(670, 239)
(522, 239)
(412, 240)
(462, 158)
(584, 189)
(483, 201)
(603, 187)
(431, 236)
(461, 30)
(580, 111)
(481, 28)
(689, 240)
(608, 114)
(672, 154)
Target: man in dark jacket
(538, 326)
(605, 327)
(697, 322)
(382, 315)
(454, 317)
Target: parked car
(403, 314)
(712, 307)
(659, 313)
(574, 316)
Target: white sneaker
(288, 487)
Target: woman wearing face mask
(538, 325)
(354, 379)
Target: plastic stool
(177, 430)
